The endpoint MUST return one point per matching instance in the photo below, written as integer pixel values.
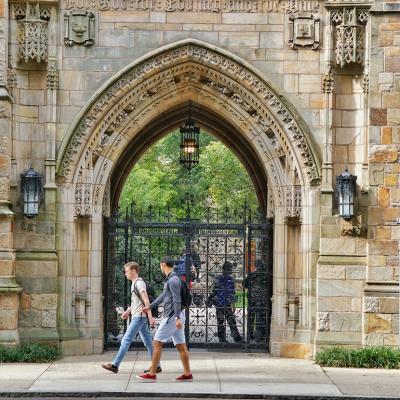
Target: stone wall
(335, 281)
(381, 304)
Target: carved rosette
(32, 23)
(349, 31)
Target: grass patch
(368, 357)
(29, 353)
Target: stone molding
(103, 127)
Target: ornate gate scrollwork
(219, 244)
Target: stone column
(9, 289)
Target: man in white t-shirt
(140, 320)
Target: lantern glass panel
(31, 189)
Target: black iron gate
(236, 245)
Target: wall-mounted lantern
(31, 186)
(189, 156)
(346, 192)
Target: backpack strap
(137, 291)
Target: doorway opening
(209, 220)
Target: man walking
(172, 325)
(141, 318)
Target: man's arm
(146, 302)
(157, 301)
(175, 287)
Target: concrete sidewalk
(222, 375)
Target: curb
(163, 395)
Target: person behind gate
(172, 324)
(141, 317)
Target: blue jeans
(138, 324)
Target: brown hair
(132, 265)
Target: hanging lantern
(346, 192)
(31, 186)
(189, 156)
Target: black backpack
(186, 297)
(151, 293)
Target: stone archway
(166, 79)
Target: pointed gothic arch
(220, 84)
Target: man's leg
(221, 328)
(230, 317)
(144, 333)
(127, 340)
(155, 360)
(184, 355)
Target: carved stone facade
(310, 87)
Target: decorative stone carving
(349, 31)
(52, 74)
(328, 83)
(240, 89)
(226, 6)
(12, 77)
(83, 189)
(79, 28)
(80, 305)
(356, 230)
(304, 31)
(365, 84)
(293, 204)
(323, 321)
(371, 304)
(32, 23)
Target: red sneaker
(147, 377)
(184, 378)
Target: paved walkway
(227, 375)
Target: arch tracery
(210, 77)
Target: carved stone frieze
(247, 98)
(214, 6)
(304, 31)
(349, 31)
(79, 28)
(32, 35)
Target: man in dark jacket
(223, 297)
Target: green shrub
(30, 353)
(368, 357)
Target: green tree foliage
(158, 180)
